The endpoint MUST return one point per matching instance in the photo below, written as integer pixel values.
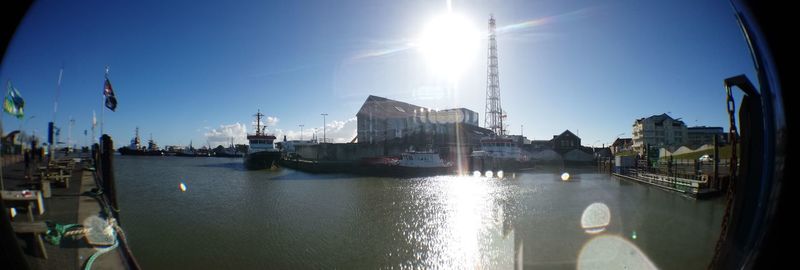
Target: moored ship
(261, 153)
(499, 153)
(136, 149)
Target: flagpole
(2, 161)
(102, 114)
(50, 146)
(12, 104)
(94, 124)
(102, 105)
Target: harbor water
(225, 217)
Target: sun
(448, 43)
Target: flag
(13, 103)
(111, 100)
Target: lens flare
(182, 186)
(612, 252)
(595, 218)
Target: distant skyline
(186, 72)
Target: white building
(381, 119)
(658, 131)
(705, 135)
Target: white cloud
(269, 122)
(223, 134)
(272, 121)
(336, 131)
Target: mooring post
(716, 159)
(107, 165)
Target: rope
(100, 252)
(733, 134)
(57, 231)
(79, 232)
(113, 224)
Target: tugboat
(412, 163)
(500, 153)
(136, 149)
(261, 153)
(408, 164)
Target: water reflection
(295, 220)
(469, 226)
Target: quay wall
(346, 151)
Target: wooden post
(716, 158)
(107, 165)
(96, 156)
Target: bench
(55, 174)
(35, 228)
(11, 198)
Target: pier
(686, 177)
(53, 205)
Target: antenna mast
(258, 116)
(494, 112)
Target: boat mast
(258, 116)
(137, 142)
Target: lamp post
(324, 138)
(301, 132)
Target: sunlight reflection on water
(463, 229)
(294, 220)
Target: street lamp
(323, 127)
(301, 132)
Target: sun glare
(449, 43)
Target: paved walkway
(65, 206)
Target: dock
(692, 188)
(65, 191)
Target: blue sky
(189, 72)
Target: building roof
(565, 134)
(622, 141)
(381, 107)
(658, 118)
